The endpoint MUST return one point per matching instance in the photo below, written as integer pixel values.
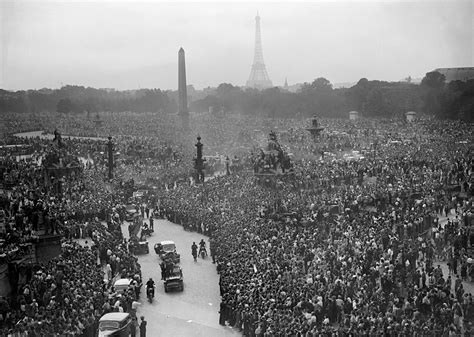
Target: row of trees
(452, 100)
(371, 98)
(78, 99)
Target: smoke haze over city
(131, 45)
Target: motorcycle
(150, 293)
(146, 231)
(203, 252)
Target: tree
(457, 101)
(232, 97)
(64, 106)
(321, 84)
(434, 95)
(224, 89)
(356, 96)
(375, 102)
(202, 105)
(433, 80)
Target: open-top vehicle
(167, 250)
(174, 279)
(139, 247)
(130, 212)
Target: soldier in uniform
(143, 327)
(162, 266)
(213, 248)
(168, 267)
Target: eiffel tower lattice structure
(258, 75)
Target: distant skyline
(130, 45)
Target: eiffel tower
(258, 75)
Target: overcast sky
(129, 45)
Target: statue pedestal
(315, 131)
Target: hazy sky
(128, 45)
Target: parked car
(122, 284)
(115, 324)
(174, 280)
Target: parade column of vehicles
(172, 273)
(137, 244)
(118, 323)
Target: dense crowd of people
(290, 265)
(348, 243)
(66, 295)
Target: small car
(139, 247)
(122, 285)
(130, 212)
(167, 249)
(174, 280)
(115, 324)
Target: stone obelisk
(182, 92)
